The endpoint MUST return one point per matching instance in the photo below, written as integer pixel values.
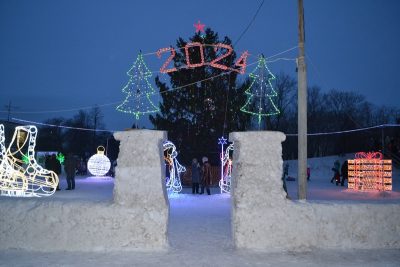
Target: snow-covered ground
(199, 230)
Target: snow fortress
(137, 218)
(263, 219)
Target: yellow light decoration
(99, 164)
(369, 171)
(24, 179)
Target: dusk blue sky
(70, 54)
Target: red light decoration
(241, 62)
(194, 65)
(217, 47)
(199, 27)
(369, 171)
(173, 53)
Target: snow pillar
(257, 166)
(140, 171)
(264, 219)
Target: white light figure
(99, 164)
(10, 180)
(21, 175)
(175, 168)
(225, 182)
(222, 142)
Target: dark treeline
(327, 112)
(82, 143)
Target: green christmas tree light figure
(138, 90)
(260, 92)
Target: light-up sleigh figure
(175, 168)
(37, 181)
(10, 179)
(225, 182)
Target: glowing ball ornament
(99, 164)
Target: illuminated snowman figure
(99, 164)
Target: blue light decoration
(138, 90)
(226, 172)
(173, 182)
(260, 92)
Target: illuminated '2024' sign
(216, 63)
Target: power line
(250, 23)
(294, 134)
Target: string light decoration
(241, 63)
(260, 92)
(11, 181)
(99, 164)
(199, 27)
(173, 53)
(225, 183)
(25, 179)
(192, 45)
(369, 171)
(222, 142)
(173, 182)
(60, 157)
(138, 90)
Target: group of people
(201, 175)
(339, 171)
(70, 164)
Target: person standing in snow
(344, 172)
(206, 178)
(195, 176)
(70, 169)
(336, 172)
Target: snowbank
(264, 219)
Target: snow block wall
(136, 220)
(264, 219)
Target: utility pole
(302, 109)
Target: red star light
(199, 27)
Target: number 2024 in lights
(241, 62)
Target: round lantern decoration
(99, 164)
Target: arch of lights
(173, 182)
(226, 161)
(99, 164)
(20, 174)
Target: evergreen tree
(202, 103)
